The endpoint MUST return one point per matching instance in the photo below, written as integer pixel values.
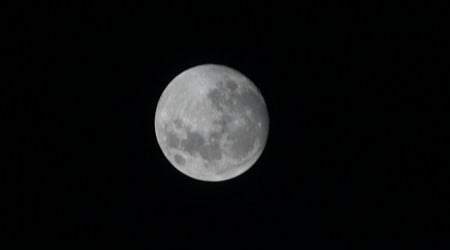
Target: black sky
(355, 157)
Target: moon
(211, 123)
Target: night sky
(356, 154)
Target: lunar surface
(211, 123)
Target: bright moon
(211, 123)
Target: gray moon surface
(211, 123)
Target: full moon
(211, 123)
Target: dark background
(356, 154)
